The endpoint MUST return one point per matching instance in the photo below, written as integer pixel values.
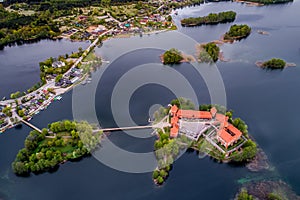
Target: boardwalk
(30, 125)
(124, 128)
(160, 125)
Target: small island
(174, 56)
(211, 19)
(209, 52)
(274, 63)
(210, 130)
(237, 32)
(62, 141)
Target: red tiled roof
(229, 134)
(174, 131)
(205, 115)
(194, 114)
(174, 120)
(174, 109)
(222, 119)
(225, 136)
(237, 133)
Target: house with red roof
(229, 135)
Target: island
(237, 32)
(274, 63)
(211, 19)
(210, 130)
(174, 56)
(209, 52)
(60, 142)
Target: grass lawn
(66, 149)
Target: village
(120, 20)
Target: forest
(17, 28)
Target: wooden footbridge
(30, 125)
(159, 125)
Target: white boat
(58, 98)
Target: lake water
(266, 100)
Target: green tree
(20, 168)
(21, 113)
(160, 180)
(58, 78)
(163, 173)
(155, 174)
